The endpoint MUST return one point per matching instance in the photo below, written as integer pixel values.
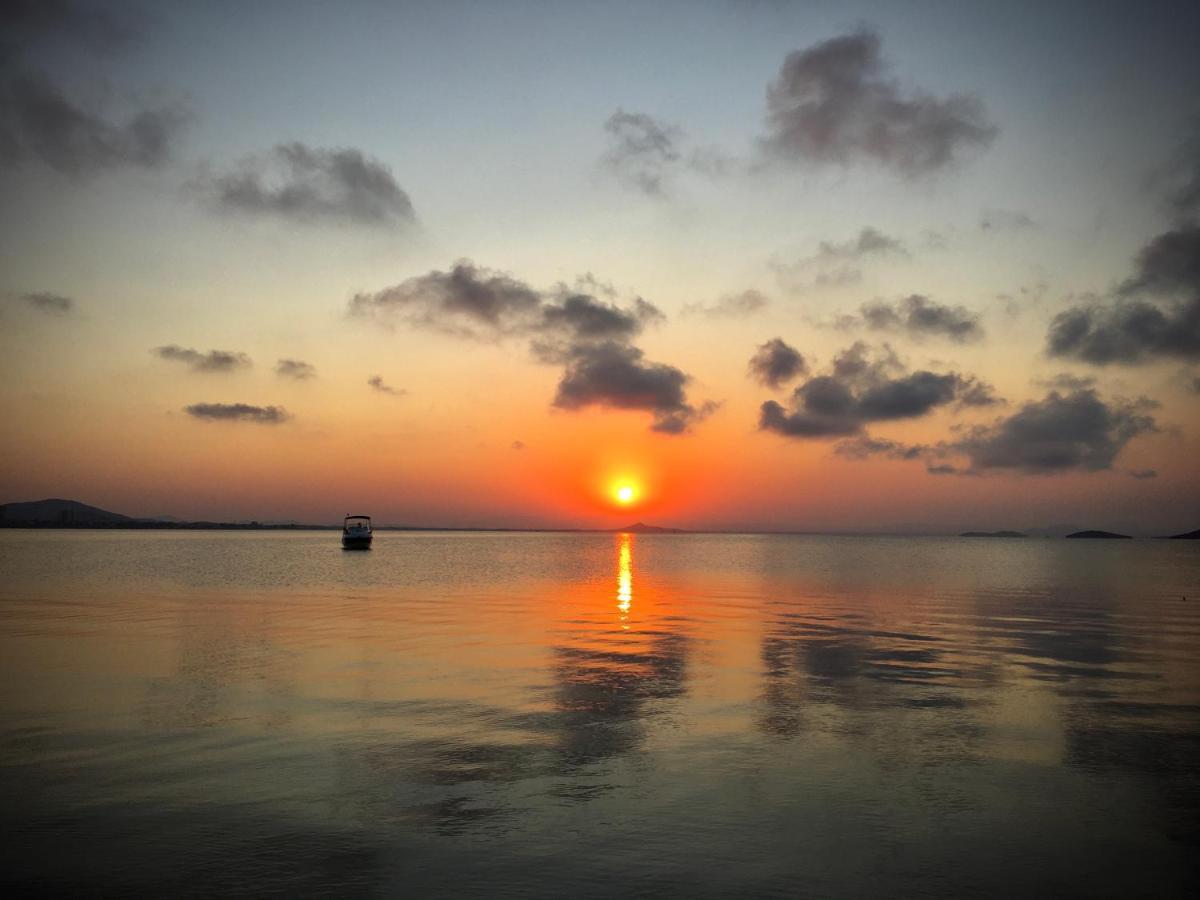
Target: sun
(625, 494)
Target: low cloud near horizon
(238, 412)
(212, 361)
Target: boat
(356, 533)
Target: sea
(597, 715)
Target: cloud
(45, 302)
(238, 412)
(308, 184)
(466, 301)
(1130, 330)
(102, 29)
(865, 447)
(377, 383)
(864, 387)
(919, 317)
(39, 123)
(615, 375)
(1005, 220)
(295, 368)
(642, 150)
(212, 361)
(589, 337)
(645, 153)
(775, 363)
(1143, 474)
(729, 306)
(838, 263)
(517, 445)
(1077, 430)
(834, 103)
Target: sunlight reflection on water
(469, 714)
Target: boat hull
(356, 542)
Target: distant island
(643, 528)
(1189, 536)
(1101, 535)
(994, 534)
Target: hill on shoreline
(60, 512)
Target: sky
(781, 266)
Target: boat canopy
(350, 519)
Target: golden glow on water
(624, 574)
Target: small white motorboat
(356, 533)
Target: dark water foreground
(583, 715)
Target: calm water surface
(548, 715)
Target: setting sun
(625, 493)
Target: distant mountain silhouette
(1104, 535)
(58, 512)
(998, 534)
(1190, 536)
(643, 528)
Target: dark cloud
(866, 447)
(838, 263)
(642, 150)
(309, 184)
(1169, 264)
(583, 317)
(1142, 474)
(295, 368)
(238, 412)
(466, 301)
(1130, 329)
(865, 387)
(730, 306)
(918, 316)
(834, 103)
(589, 337)
(775, 363)
(212, 361)
(377, 383)
(1005, 220)
(615, 375)
(1077, 430)
(42, 301)
(99, 28)
(39, 123)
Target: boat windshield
(357, 522)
